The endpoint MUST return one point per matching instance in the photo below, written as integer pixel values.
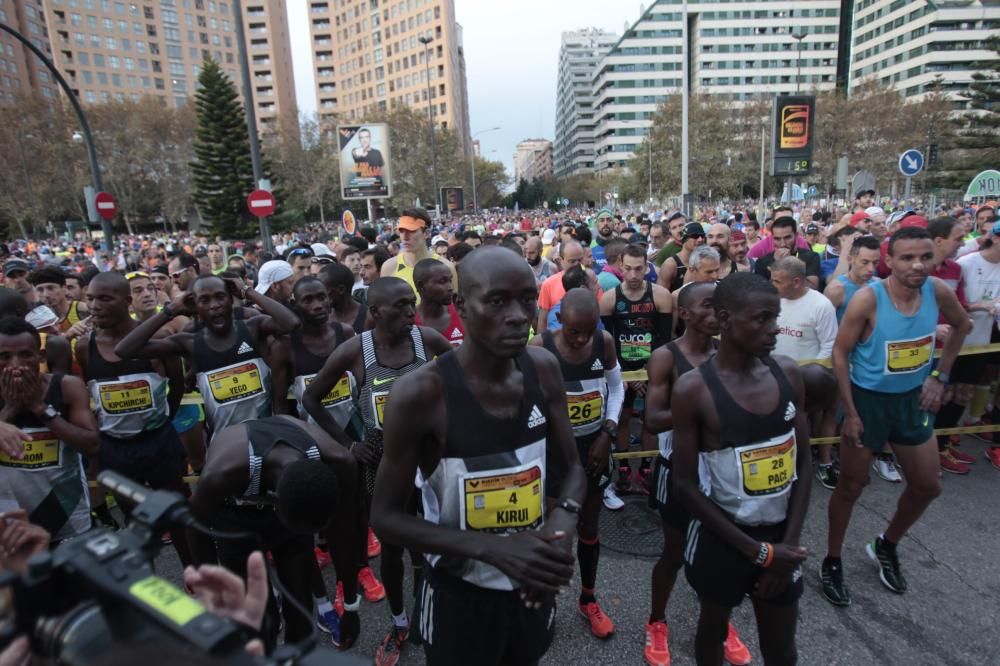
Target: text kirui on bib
(502, 501)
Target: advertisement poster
(365, 162)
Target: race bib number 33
(903, 356)
(767, 468)
(501, 501)
(237, 382)
(41, 451)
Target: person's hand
(222, 592)
(931, 395)
(771, 584)
(780, 253)
(851, 431)
(597, 456)
(942, 333)
(80, 328)
(12, 438)
(236, 287)
(365, 453)
(19, 540)
(787, 557)
(350, 629)
(638, 387)
(533, 560)
(18, 653)
(182, 303)
(846, 243)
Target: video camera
(99, 591)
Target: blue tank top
(897, 356)
(850, 288)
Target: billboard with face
(365, 162)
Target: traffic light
(932, 154)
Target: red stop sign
(261, 203)
(106, 205)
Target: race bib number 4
(237, 382)
(41, 451)
(126, 397)
(584, 408)
(341, 391)
(903, 356)
(502, 501)
(767, 468)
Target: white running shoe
(611, 500)
(886, 468)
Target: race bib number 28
(767, 468)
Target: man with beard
(50, 288)
(786, 244)
(552, 291)
(738, 250)
(718, 237)
(673, 269)
(605, 232)
(183, 269)
(675, 241)
(131, 397)
(226, 354)
(483, 429)
(864, 199)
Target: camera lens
(76, 637)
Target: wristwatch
(940, 376)
(612, 430)
(569, 504)
(48, 413)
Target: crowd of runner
(520, 352)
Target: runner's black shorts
(722, 575)
(154, 457)
(464, 624)
(595, 486)
(662, 498)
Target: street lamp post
(798, 37)
(255, 161)
(475, 194)
(430, 115)
(88, 139)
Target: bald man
(551, 292)
(718, 237)
(486, 431)
(594, 395)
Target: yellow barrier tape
(819, 441)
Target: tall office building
(115, 50)
(369, 59)
(20, 70)
(742, 49)
(581, 50)
(914, 46)
(533, 160)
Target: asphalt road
(948, 616)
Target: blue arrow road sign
(911, 162)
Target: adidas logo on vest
(790, 411)
(597, 365)
(244, 348)
(537, 418)
(455, 333)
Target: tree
(222, 170)
(973, 144)
(305, 160)
(491, 179)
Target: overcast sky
(511, 53)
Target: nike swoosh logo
(925, 420)
(379, 382)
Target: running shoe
(960, 455)
(885, 467)
(329, 623)
(831, 577)
(888, 564)
(951, 464)
(387, 654)
(611, 500)
(644, 477)
(600, 624)
(374, 545)
(372, 588)
(827, 475)
(322, 557)
(624, 485)
(657, 651)
(338, 600)
(733, 650)
(993, 455)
